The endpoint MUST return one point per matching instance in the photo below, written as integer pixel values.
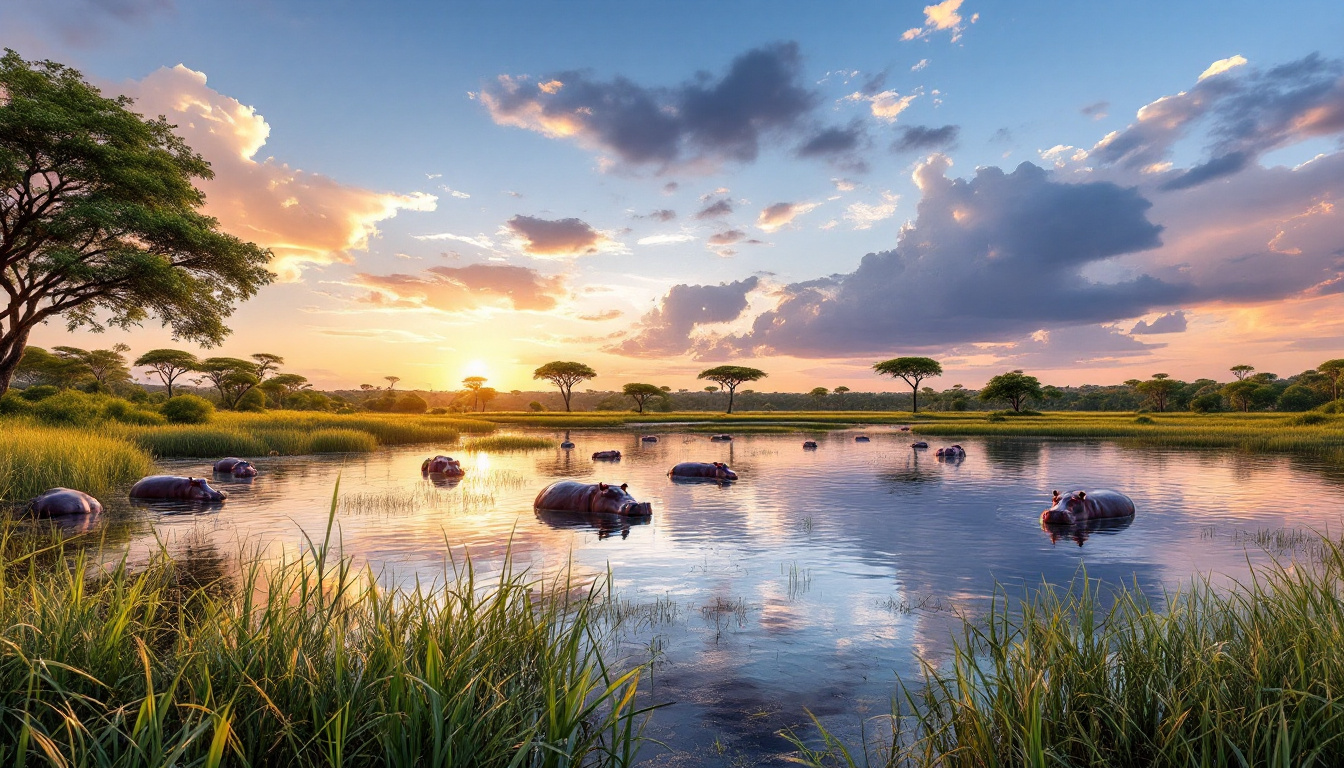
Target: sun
(476, 368)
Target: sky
(1089, 192)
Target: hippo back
(568, 495)
(65, 501)
(1106, 503)
(227, 465)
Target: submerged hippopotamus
(919, 444)
(442, 465)
(600, 455)
(174, 487)
(716, 470)
(905, 429)
(1081, 506)
(64, 501)
(862, 439)
(649, 439)
(566, 444)
(601, 498)
(808, 444)
(951, 452)
(720, 438)
(236, 467)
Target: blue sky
(392, 103)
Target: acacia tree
(641, 393)
(564, 375)
(1014, 387)
(818, 394)
(1333, 370)
(231, 377)
(392, 382)
(1242, 371)
(1160, 389)
(38, 366)
(474, 384)
(1241, 394)
(265, 363)
(282, 386)
(168, 364)
(913, 370)
(99, 218)
(729, 376)
(107, 366)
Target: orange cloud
(305, 218)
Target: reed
(34, 459)
(305, 663)
(1250, 675)
(508, 443)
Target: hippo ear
(601, 486)
(624, 486)
(1082, 495)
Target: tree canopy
(474, 384)
(231, 377)
(99, 217)
(564, 375)
(1334, 371)
(168, 364)
(641, 393)
(1013, 387)
(729, 376)
(1160, 389)
(912, 370)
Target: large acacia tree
(100, 221)
(564, 375)
(729, 376)
(911, 370)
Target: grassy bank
(1246, 676)
(33, 459)
(304, 663)
(508, 443)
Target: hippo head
(615, 499)
(1065, 508)
(199, 490)
(244, 469)
(722, 472)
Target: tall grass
(302, 663)
(1247, 676)
(508, 443)
(33, 459)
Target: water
(809, 584)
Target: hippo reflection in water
(598, 498)
(236, 467)
(1080, 506)
(951, 452)
(809, 445)
(861, 439)
(64, 501)
(720, 438)
(698, 469)
(1081, 532)
(443, 465)
(602, 455)
(174, 487)
(919, 444)
(605, 525)
(649, 439)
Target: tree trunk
(731, 391)
(914, 399)
(565, 394)
(11, 352)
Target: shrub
(382, 404)
(68, 409)
(437, 411)
(188, 409)
(1299, 398)
(13, 404)
(252, 401)
(1144, 420)
(39, 392)
(536, 406)
(1308, 420)
(995, 417)
(1335, 406)
(410, 403)
(1209, 402)
(120, 410)
(344, 410)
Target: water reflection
(1080, 532)
(604, 525)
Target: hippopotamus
(566, 444)
(861, 439)
(442, 465)
(919, 444)
(601, 455)
(602, 498)
(807, 444)
(720, 438)
(174, 487)
(905, 429)
(236, 467)
(951, 452)
(64, 501)
(649, 439)
(1081, 506)
(716, 470)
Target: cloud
(305, 218)
(1097, 110)
(662, 214)
(942, 16)
(606, 314)
(1071, 347)
(844, 185)
(921, 64)
(991, 258)
(922, 138)
(680, 237)
(667, 329)
(715, 210)
(459, 194)
(480, 241)
(865, 215)
(1172, 322)
(727, 237)
(773, 217)
(558, 238)
(701, 123)
(1222, 65)
(84, 23)
(1246, 112)
(460, 289)
(886, 105)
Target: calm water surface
(812, 582)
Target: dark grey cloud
(662, 214)
(456, 289)
(716, 209)
(991, 258)
(922, 138)
(666, 330)
(704, 120)
(1172, 322)
(1096, 110)
(1244, 112)
(559, 237)
(841, 147)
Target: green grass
(302, 663)
(34, 459)
(508, 443)
(1250, 675)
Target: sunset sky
(1091, 192)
